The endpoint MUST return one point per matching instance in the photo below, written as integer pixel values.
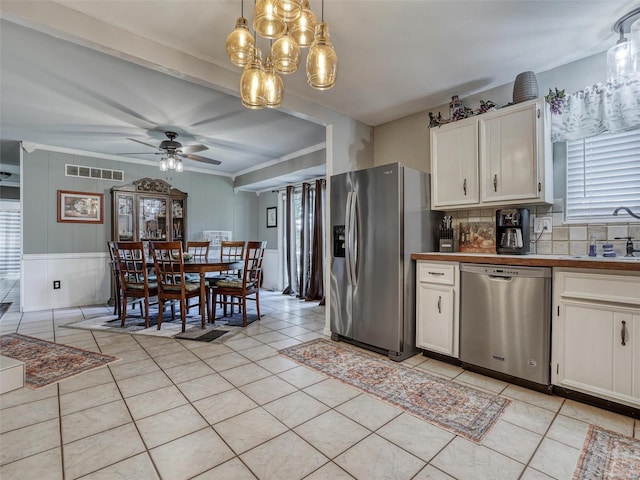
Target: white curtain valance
(611, 107)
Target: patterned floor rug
(48, 362)
(170, 328)
(462, 410)
(607, 455)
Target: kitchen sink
(601, 259)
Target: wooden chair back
(132, 266)
(134, 281)
(172, 285)
(231, 251)
(254, 255)
(198, 249)
(169, 265)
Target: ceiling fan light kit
(173, 152)
(293, 26)
(623, 59)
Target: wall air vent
(93, 172)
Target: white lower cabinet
(437, 310)
(596, 334)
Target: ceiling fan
(171, 148)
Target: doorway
(303, 208)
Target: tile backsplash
(565, 239)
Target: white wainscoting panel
(85, 279)
(271, 271)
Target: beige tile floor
(177, 409)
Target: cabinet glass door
(177, 219)
(153, 218)
(125, 219)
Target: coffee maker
(512, 231)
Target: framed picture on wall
(272, 217)
(80, 207)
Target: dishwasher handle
(499, 278)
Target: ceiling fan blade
(143, 143)
(198, 158)
(140, 153)
(193, 148)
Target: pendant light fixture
(622, 58)
(163, 164)
(288, 10)
(303, 28)
(286, 54)
(252, 82)
(274, 88)
(240, 41)
(322, 61)
(266, 22)
(291, 25)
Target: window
(603, 173)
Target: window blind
(603, 173)
(9, 241)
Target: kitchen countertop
(533, 260)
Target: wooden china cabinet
(149, 209)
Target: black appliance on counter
(512, 231)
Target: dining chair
(134, 281)
(240, 289)
(198, 249)
(168, 262)
(229, 252)
(115, 273)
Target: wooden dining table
(207, 265)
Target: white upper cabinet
(454, 162)
(502, 157)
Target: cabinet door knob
(440, 307)
(495, 182)
(464, 186)
(623, 333)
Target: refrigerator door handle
(347, 251)
(355, 231)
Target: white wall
(85, 279)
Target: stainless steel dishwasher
(505, 319)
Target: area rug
(48, 362)
(170, 328)
(462, 410)
(607, 455)
(3, 308)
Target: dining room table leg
(204, 306)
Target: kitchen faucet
(615, 212)
(630, 248)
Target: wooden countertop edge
(530, 261)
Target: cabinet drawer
(591, 286)
(436, 273)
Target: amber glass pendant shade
(288, 10)
(266, 22)
(274, 87)
(252, 82)
(240, 43)
(302, 29)
(286, 55)
(322, 61)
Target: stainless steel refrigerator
(379, 217)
